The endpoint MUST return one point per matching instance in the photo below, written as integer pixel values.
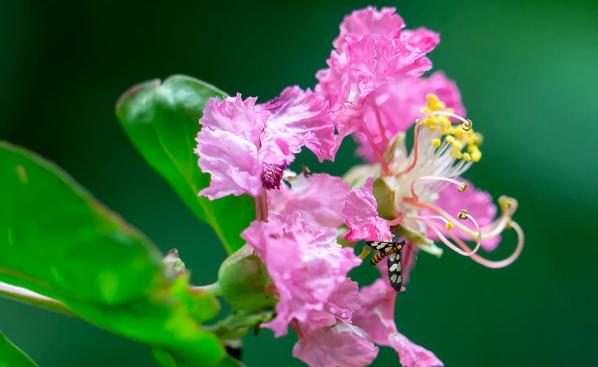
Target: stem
(264, 199)
(35, 299)
(381, 127)
(414, 150)
(387, 171)
(213, 289)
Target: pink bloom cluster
(373, 89)
(338, 324)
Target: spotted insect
(392, 252)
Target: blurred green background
(528, 73)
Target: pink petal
(298, 118)
(318, 198)
(361, 216)
(232, 163)
(398, 104)
(411, 354)
(478, 203)
(235, 115)
(227, 146)
(376, 314)
(369, 21)
(342, 345)
(306, 264)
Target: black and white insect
(392, 252)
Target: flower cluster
(308, 225)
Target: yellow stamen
(461, 136)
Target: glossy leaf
(12, 356)
(162, 121)
(57, 240)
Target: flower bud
(244, 282)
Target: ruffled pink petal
(361, 216)
(478, 203)
(344, 301)
(369, 21)
(319, 199)
(411, 354)
(227, 146)
(235, 115)
(370, 51)
(376, 318)
(397, 104)
(342, 345)
(376, 314)
(305, 263)
(232, 163)
(297, 118)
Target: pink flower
(478, 204)
(376, 318)
(361, 215)
(394, 107)
(245, 147)
(319, 198)
(307, 267)
(341, 345)
(370, 51)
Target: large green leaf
(58, 241)
(162, 121)
(12, 356)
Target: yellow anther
(467, 157)
(450, 139)
(462, 187)
(476, 156)
(449, 225)
(467, 125)
(436, 143)
(505, 203)
(463, 214)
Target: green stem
(213, 289)
(31, 298)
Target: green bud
(173, 264)
(385, 198)
(244, 282)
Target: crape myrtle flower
(246, 146)
(429, 199)
(309, 269)
(307, 225)
(307, 266)
(372, 50)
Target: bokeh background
(528, 73)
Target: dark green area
(12, 356)
(527, 72)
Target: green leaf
(162, 121)
(12, 356)
(57, 240)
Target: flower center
(272, 175)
